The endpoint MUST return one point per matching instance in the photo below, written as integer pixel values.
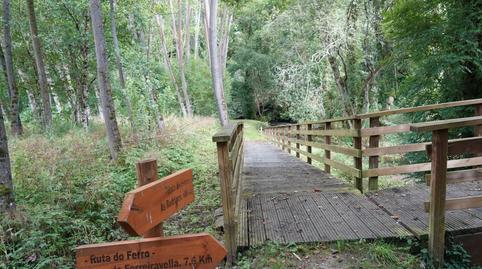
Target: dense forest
(88, 87)
(281, 60)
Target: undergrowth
(341, 254)
(68, 192)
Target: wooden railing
(346, 137)
(439, 150)
(230, 146)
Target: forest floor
(68, 193)
(343, 255)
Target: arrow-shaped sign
(149, 205)
(200, 251)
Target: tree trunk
(197, 24)
(4, 71)
(16, 123)
(132, 27)
(155, 107)
(6, 186)
(105, 90)
(149, 41)
(65, 76)
(167, 63)
(179, 50)
(153, 96)
(225, 43)
(32, 102)
(83, 81)
(340, 82)
(99, 102)
(83, 88)
(215, 66)
(58, 105)
(119, 66)
(206, 28)
(32, 99)
(42, 77)
(187, 35)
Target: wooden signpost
(200, 251)
(149, 205)
(142, 213)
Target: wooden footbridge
(283, 189)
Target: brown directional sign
(149, 205)
(200, 251)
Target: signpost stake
(146, 172)
(142, 213)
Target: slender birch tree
(42, 76)
(216, 70)
(6, 186)
(187, 32)
(168, 64)
(105, 90)
(197, 26)
(120, 68)
(16, 123)
(177, 34)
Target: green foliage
(418, 52)
(280, 59)
(68, 192)
(252, 62)
(341, 254)
(456, 257)
(253, 130)
(437, 46)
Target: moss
(5, 190)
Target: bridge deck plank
(289, 200)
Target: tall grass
(69, 192)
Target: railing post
(226, 182)
(278, 137)
(374, 160)
(438, 188)
(358, 161)
(327, 152)
(283, 138)
(276, 133)
(289, 139)
(298, 136)
(310, 138)
(478, 112)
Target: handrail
(420, 108)
(446, 124)
(328, 135)
(230, 145)
(226, 133)
(439, 150)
